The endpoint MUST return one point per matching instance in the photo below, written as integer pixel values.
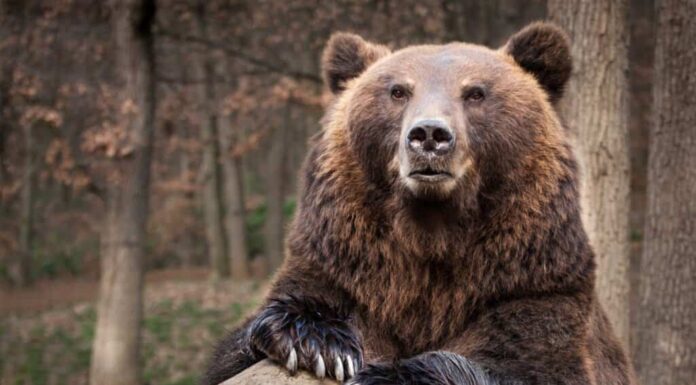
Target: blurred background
(218, 99)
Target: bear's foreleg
(432, 368)
(531, 341)
(306, 323)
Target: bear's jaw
(438, 181)
(434, 187)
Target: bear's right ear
(345, 57)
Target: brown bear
(438, 237)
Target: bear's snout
(430, 137)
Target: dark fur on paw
(432, 368)
(301, 334)
(231, 356)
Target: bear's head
(440, 123)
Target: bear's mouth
(429, 175)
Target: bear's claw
(319, 367)
(291, 364)
(350, 369)
(338, 368)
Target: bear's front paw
(301, 335)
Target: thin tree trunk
(233, 175)
(5, 79)
(212, 182)
(596, 109)
(275, 193)
(235, 212)
(28, 198)
(116, 350)
(186, 252)
(643, 26)
(666, 337)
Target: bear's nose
(430, 136)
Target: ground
(46, 332)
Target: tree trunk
(275, 194)
(235, 211)
(666, 337)
(213, 206)
(596, 109)
(116, 350)
(28, 198)
(233, 175)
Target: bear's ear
(345, 57)
(543, 50)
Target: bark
(275, 194)
(116, 349)
(666, 337)
(266, 372)
(213, 207)
(28, 199)
(595, 107)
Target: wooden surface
(266, 372)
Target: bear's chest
(412, 313)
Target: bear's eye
(474, 94)
(398, 93)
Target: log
(266, 372)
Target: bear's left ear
(543, 50)
(345, 57)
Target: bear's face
(431, 121)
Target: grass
(177, 336)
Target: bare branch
(281, 67)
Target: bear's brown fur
(465, 268)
